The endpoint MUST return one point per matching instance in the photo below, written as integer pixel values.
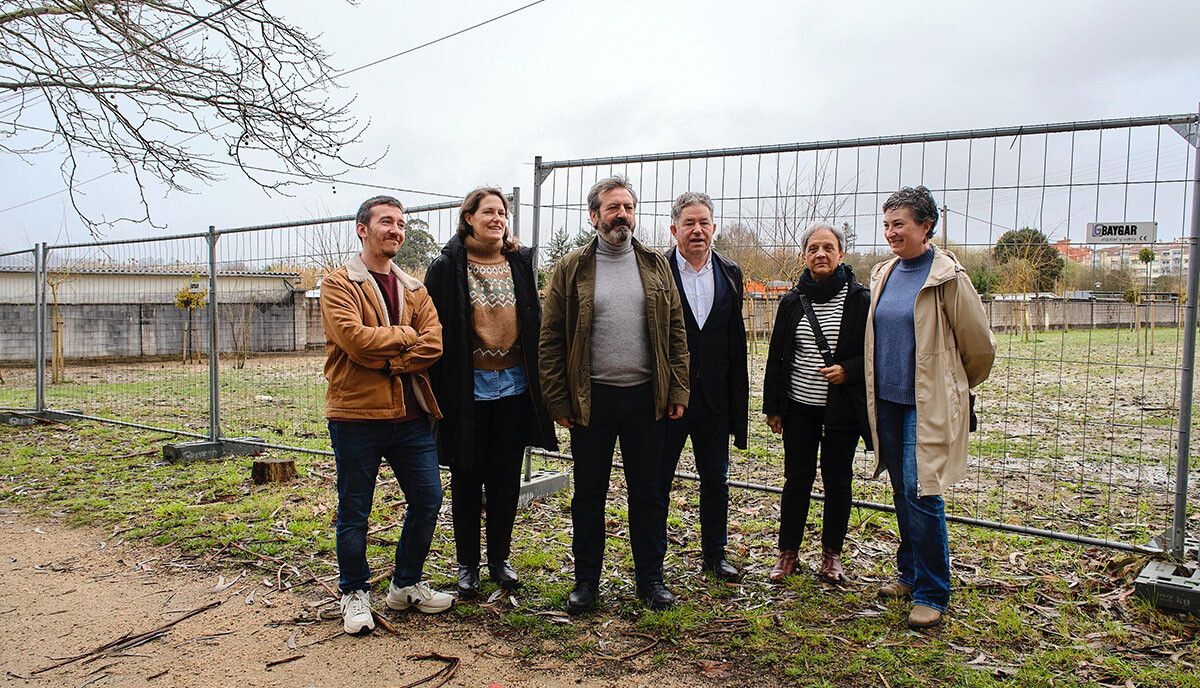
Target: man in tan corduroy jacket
(382, 334)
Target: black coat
(453, 376)
(739, 378)
(845, 404)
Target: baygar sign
(1122, 232)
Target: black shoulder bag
(860, 405)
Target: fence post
(214, 386)
(516, 212)
(39, 326)
(537, 209)
(1189, 361)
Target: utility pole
(945, 225)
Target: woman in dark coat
(486, 382)
(814, 394)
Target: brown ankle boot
(895, 589)
(923, 617)
(786, 565)
(831, 566)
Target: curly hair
(690, 198)
(920, 203)
(608, 184)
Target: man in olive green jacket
(613, 364)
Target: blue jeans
(924, 555)
(411, 450)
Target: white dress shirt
(698, 286)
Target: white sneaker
(356, 613)
(421, 596)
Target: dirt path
(65, 591)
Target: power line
(54, 193)
(439, 40)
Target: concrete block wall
(134, 330)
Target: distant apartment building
(1079, 254)
(1170, 259)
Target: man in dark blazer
(711, 289)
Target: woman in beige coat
(928, 343)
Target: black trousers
(804, 433)
(710, 446)
(625, 414)
(499, 450)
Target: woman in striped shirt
(813, 393)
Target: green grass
(1025, 611)
(1037, 612)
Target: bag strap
(818, 335)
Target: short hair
(470, 206)
(687, 199)
(608, 184)
(818, 226)
(920, 203)
(363, 216)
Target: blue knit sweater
(895, 339)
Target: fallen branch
(285, 660)
(264, 557)
(444, 674)
(382, 621)
(126, 641)
(336, 634)
(630, 655)
(144, 452)
(325, 585)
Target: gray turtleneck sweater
(620, 345)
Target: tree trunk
(273, 471)
(1150, 341)
(187, 329)
(56, 323)
(1137, 329)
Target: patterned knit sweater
(495, 344)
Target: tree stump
(273, 471)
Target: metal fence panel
(127, 331)
(18, 331)
(1080, 418)
(271, 336)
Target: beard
(617, 233)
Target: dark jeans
(923, 559)
(710, 446)
(804, 433)
(625, 413)
(499, 448)
(410, 449)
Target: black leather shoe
(656, 596)
(503, 575)
(583, 597)
(468, 582)
(721, 568)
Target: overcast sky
(570, 79)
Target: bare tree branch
(137, 84)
